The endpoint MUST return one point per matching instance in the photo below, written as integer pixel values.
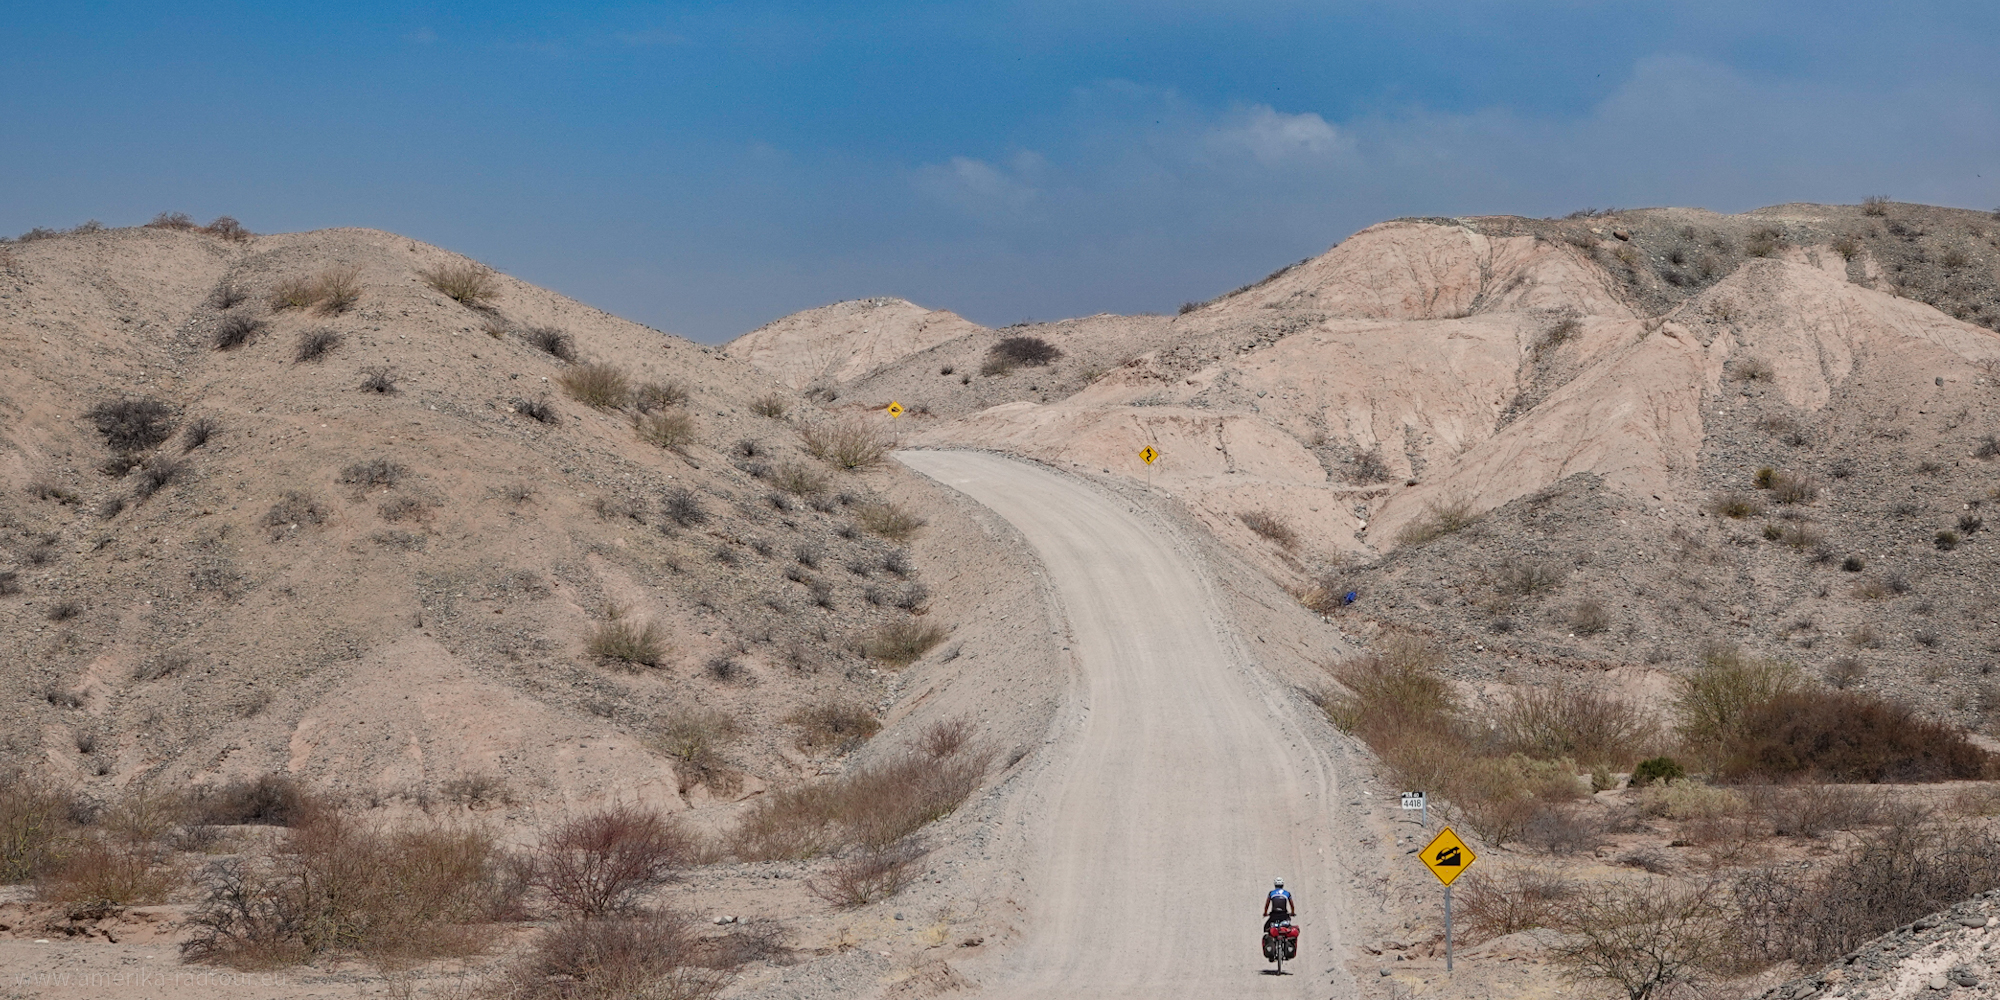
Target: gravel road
(1184, 784)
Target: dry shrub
(105, 874)
(602, 862)
(1589, 618)
(799, 479)
(1012, 352)
(295, 292)
(1440, 519)
(903, 642)
(293, 511)
(652, 956)
(1270, 526)
(1810, 810)
(551, 341)
(158, 472)
(875, 807)
(267, 800)
(1395, 697)
(1790, 488)
(1711, 700)
(673, 430)
(869, 875)
(1570, 721)
(374, 472)
(852, 443)
(1689, 800)
(1846, 736)
(1528, 577)
(1646, 940)
(466, 283)
(1511, 900)
(179, 221)
(650, 396)
(694, 738)
(235, 331)
(198, 432)
(889, 521)
(833, 726)
(227, 228)
(628, 643)
(336, 884)
(1731, 503)
(772, 405)
(130, 425)
(1916, 866)
(35, 820)
(314, 344)
(339, 289)
(599, 385)
(1327, 593)
(1503, 799)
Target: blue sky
(707, 167)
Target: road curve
(1188, 784)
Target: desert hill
(369, 540)
(1585, 397)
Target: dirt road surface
(1182, 784)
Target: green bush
(1661, 769)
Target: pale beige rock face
(846, 340)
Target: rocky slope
(1585, 391)
(378, 568)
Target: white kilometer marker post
(1417, 800)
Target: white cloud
(982, 190)
(1274, 137)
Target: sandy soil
(1183, 779)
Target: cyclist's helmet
(1278, 883)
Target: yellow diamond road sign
(1148, 454)
(895, 409)
(1447, 856)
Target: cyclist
(1278, 905)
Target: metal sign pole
(1447, 930)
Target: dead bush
(198, 432)
(799, 479)
(673, 430)
(374, 472)
(158, 472)
(1512, 900)
(315, 344)
(601, 863)
(773, 406)
(35, 822)
(1733, 504)
(1810, 810)
(889, 521)
(1574, 722)
(550, 341)
(902, 642)
(133, 424)
(1916, 866)
(378, 379)
(874, 807)
(651, 956)
(465, 282)
(650, 396)
(851, 443)
(1845, 736)
(1589, 618)
(627, 643)
(597, 385)
(869, 875)
(834, 726)
(1499, 798)
(337, 884)
(105, 874)
(339, 289)
(227, 228)
(1788, 487)
(683, 507)
(1645, 940)
(1440, 518)
(1563, 830)
(1875, 205)
(295, 292)
(694, 739)
(293, 511)
(1528, 577)
(179, 221)
(267, 800)
(1270, 526)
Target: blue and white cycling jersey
(1280, 900)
